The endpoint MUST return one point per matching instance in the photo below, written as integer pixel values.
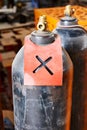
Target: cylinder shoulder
(17, 67)
(73, 39)
(18, 58)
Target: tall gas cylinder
(42, 82)
(74, 40)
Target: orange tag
(43, 64)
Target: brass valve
(69, 10)
(42, 23)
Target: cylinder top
(42, 36)
(68, 20)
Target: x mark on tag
(43, 64)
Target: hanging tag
(43, 64)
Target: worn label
(42, 64)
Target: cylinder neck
(42, 37)
(68, 21)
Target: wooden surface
(6, 26)
(8, 114)
(54, 15)
(7, 58)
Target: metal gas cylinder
(42, 82)
(74, 40)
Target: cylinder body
(41, 107)
(74, 40)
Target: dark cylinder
(74, 40)
(41, 107)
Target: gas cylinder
(42, 74)
(74, 40)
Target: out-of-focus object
(74, 40)
(21, 12)
(1, 116)
(1, 78)
(6, 10)
(68, 10)
(78, 2)
(1, 3)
